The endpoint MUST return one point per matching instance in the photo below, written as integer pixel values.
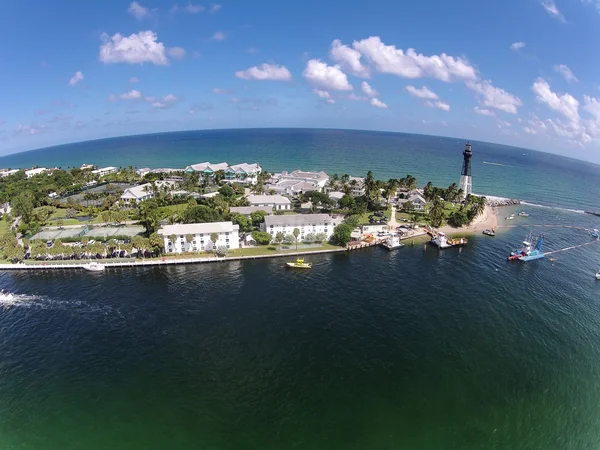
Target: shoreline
(487, 220)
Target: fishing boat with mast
(529, 252)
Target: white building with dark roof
(227, 232)
(276, 202)
(306, 223)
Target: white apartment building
(33, 172)
(6, 172)
(228, 236)
(105, 171)
(306, 223)
(237, 173)
(276, 202)
(298, 182)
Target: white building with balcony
(306, 223)
(237, 173)
(298, 182)
(33, 172)
(227, 232)
(105, 171)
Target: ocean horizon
(501, 170)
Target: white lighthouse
(466, 183)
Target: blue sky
(518, 72)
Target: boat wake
(497, 164)
(537, 205)
(74, 306)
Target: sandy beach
(489, 219)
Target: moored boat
(489, 232)
(523, 214)
(595, 233)
(299, 264)
(440, 241)
(511, 217)
(93, 267)
(598, 275)
(392, 242)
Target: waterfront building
(227, 232)
(357, 186)
(33, 172)
(87, 167)
(247, 210)
(276, 202)
(105, 171)
(297, 182)
(466, 183)
(306, 223)
(237, 173)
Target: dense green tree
(436, 212)
(244, 222)
(279, 236)
(261, 237)
(342, 234)
(201, 214)
(226, 191)
(156, 243)
(22, 206)
(347, 202)
(214, 237)
(149, 215)
(258, 217)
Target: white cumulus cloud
(138, 11)
(76, 78)
(325, 76)
(218, 36)
(265, 72)
(321, 93)
(135, 49)
(424, 92)
(368, 89)
(566, 73)
(378, 103)
(564, 104)
(130, 95)
(516, 46)
(348, 59)
(484, 112)
(439, 105)
(410, 64)
(494, 97)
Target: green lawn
(61, 213)
(265, 249)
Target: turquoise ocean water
(413, 349)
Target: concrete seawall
(157, 261)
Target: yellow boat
(299, 264)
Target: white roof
(301, 175)
(298, 220)
(268, 199)
(104, 169)
(201, 167)
(246, 168)
(198, 228)
(336, 195)
(137, 191)
(38, 170)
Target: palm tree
(279, 237)
(214, 237)
(428, 190)
(218, 176)
(296, 233)
(452, 192)
(189, 238)
(172, 239)
(436, 212)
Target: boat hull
(531, 257)
(298, 266)
(393, 247)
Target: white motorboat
(598, 275)
(441, 240)
(595, 233)
(392, 242)
(6, 296)
(523, 214)
(511, 217)
(93, 267)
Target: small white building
(105, 171)
(228, 236)
(277, 202)
(137, 194)
(33, 172)
(306, 223)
